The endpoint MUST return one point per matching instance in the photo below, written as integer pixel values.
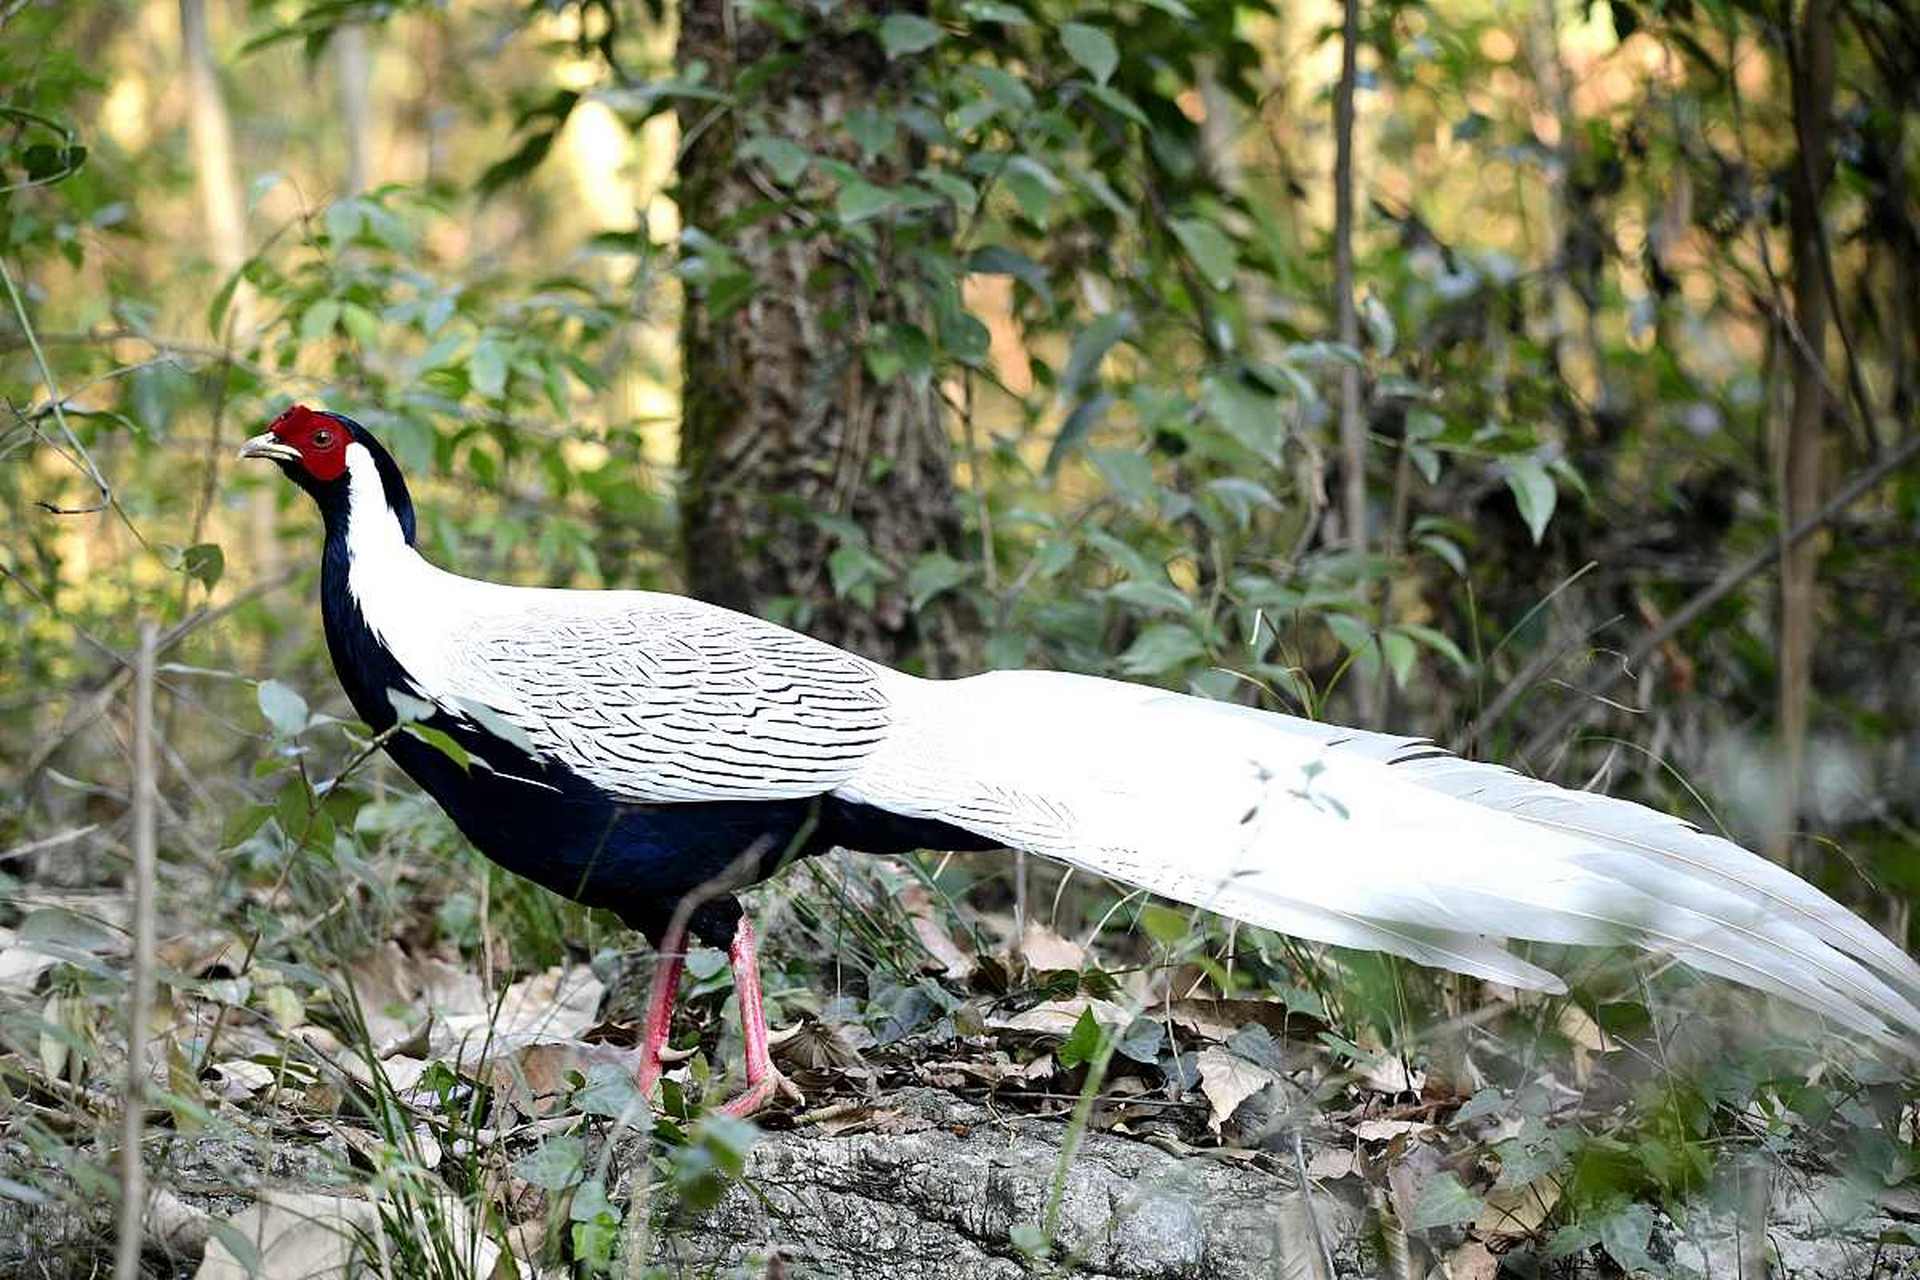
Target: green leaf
(487, 367)
(1534, 493)
(1400, 652)
(994, 11)
(1090, 347)
(1085, 417)
(859, 200)
(555, 1165)
(1444, 1202)
(1157, 596)
(1141, 1041)
(409, 708)
(1209, 248)
(785, 160)
(1250, 417)
(242, 823)
(1438, 641)
(493, 722)
(852, 567)
(359, 324)
(1005, 88)
(1083, 1044)
(318, 320)
(284, 709)
(245, 1253)
(217, 309)
(996, 260)
(590, 1202)
(593, 1243)
(610, 1092)
(873, 130)
(1129, 473)
(1092, 48)
(1164, 925)
(1354, 634)
(1161, 648)
(1448, 550)
(1241, 495)
(204, 562)
(933, 574)
(442, 742)
(1118, 102)
(904, 33)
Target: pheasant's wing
(656, 699)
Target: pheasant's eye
(323, 439)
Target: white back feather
(1364, 839)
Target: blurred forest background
(1541, 377)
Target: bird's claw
(762, 1092)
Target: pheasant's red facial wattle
(320, 439)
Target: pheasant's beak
(268, 445)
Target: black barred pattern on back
(682, 702)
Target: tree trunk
(353, 65)
(782, 420)
(225, 215)
(1812, 75)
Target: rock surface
(928, 1186)
(950, 1197)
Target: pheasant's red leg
(668, 962)
(763, 1079)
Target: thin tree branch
(1556, 728)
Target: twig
(103, 697)
(48, 842)
(1306, 1198)
(85, 460)
(1557, 727)
(133, 1197)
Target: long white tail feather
(1365, 839)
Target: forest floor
(1005, 1111)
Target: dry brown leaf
(1059, 1017)
(1577, 1025)
(1228, 1080)
(530, 1073)
(1332, 1163)
(812, 1046)
(301, 1236)
(237, 1079)
(21, 964)
(1218, 1019)
(1389, 1074)
(560, 1004)
(1044, 949)
(1302, 1252)
(384, 987)
(953, 962)
(1473, 1261)
(425, 1148)
(1514, 1212)
(203, 953)
(66, 1018)
(1388, 1130)
(175, 1227)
